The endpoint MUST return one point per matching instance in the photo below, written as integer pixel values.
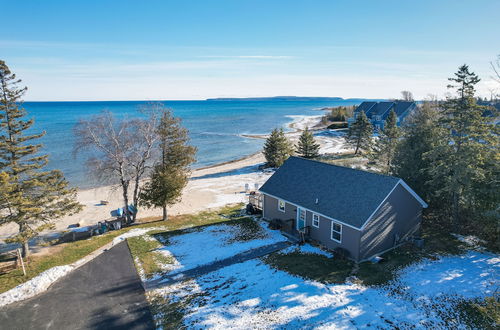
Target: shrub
(337, 125)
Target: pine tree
(36, 196)
(307, 146)
(459, 164)
(171, 174)
(277, 148)
(420, 134)
(360, 134)
(385, 147)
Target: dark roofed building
(361, 212)
(377, 112)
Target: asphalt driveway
(105, 293)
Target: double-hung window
(281, 205)
(315, 221)
(336, 233)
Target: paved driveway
(105, 293)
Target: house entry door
(301, 219)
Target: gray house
(363, 213)
(377, 112)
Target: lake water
(215, 126)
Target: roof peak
(345, 167)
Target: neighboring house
(363, 213)
(377, 112)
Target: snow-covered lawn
(252, 294)
(470, 275)
(200, 246)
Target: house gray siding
(400, 215)
(350, 237)
(271, 210)
(349, 241)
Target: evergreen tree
(36, 197)
(360, 134)
(384, 148)
(420, 135)
(307, 146)
(459, 164)
(277, 148)
(171, 174)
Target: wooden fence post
(20, 257)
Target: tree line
(447, 151)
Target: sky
(187, 49)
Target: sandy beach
(209, 187)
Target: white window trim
(315, 215)
(339, 232)
(284, 205)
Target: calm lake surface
(215, 126)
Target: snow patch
(254, 295)
(34, 286)
(470, 240)
(306, 249)
(301, 122)
(135, 232)
(211, 244)
(470, 275)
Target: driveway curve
(105, 293)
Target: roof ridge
(345, 167)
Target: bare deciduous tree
(495, 65)
(119, 151)
(407, 96)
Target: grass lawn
(334, 270)
(437, 243)
(73, 251)
(311, 266)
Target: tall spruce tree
(459, 164)
(420, 136)
(384, 148)
(359, 135)
(36, 197)
(171, 173)
(307, 146)
(277, 148)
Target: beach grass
(68, 253)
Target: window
(315, 220)
(281, 205)
(336, 234)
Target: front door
(301, 219)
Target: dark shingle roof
(365, 106)
(344, 194)
(381, 109)
(403, 106)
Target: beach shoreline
(209, 187)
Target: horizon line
(212, 98)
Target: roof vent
(317, 201)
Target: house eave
(313, 211)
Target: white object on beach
(247, 187)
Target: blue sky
(147, 50)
